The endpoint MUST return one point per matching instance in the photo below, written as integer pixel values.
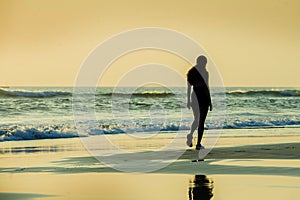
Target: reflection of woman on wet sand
(200, 100)
(201, 188)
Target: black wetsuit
(200, 87)
(201, 99)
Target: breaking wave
(36, 94)
(275, 93)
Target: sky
(252, 43)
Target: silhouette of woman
(199, 100)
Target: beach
(240, 166)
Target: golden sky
(253, 43)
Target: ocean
(31, 113)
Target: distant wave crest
(141, 94)
(276, 93)
(37, 94)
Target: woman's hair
(201, 61)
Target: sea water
(29, 113)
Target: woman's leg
(203, 114)
(194, 125)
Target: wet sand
(63, 169)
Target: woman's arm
(210, 104)
(188, 95)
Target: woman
(199, 100)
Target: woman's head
(201, 61)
